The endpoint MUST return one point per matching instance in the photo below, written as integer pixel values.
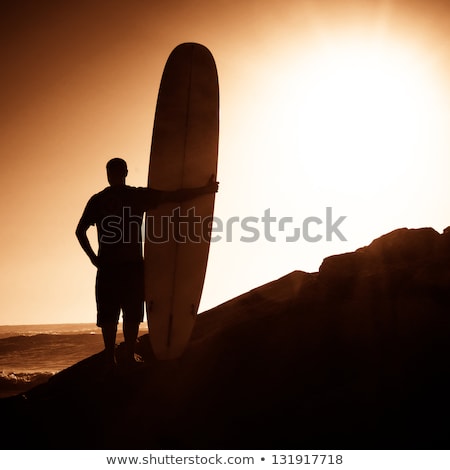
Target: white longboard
(183, 155)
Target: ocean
(31, 354)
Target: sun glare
(357, 125)
(360, 115)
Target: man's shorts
(120, 286)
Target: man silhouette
(117, 213)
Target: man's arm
(84, 241)
(182, 195)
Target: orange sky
(79, 84)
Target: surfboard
(183, 154)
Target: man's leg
(130, 334)
(133, 307)
(109, 332)
(108, 309)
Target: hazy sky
(324, 103)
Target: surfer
(117, 213)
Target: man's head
(117, 171)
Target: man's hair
(117, 166)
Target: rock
(354, 356)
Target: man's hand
(186, 194)
(94, 260)
(212, 186)
(84, 242)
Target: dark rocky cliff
(354, 356)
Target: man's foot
(126, 358)
(109, 359)
(131, 360)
